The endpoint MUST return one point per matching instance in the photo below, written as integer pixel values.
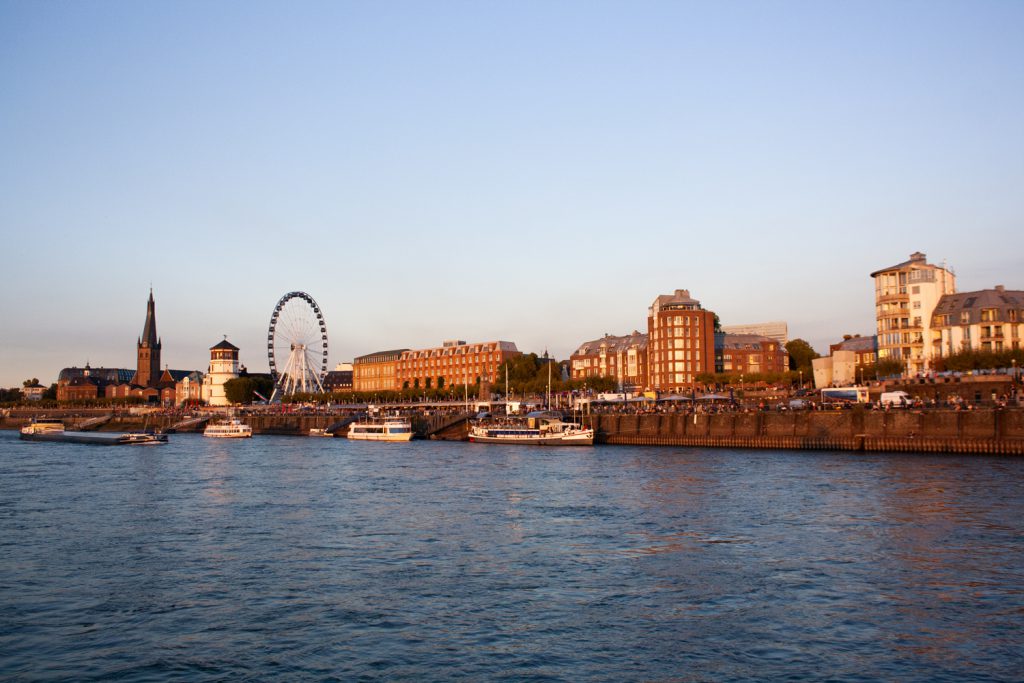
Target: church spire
(149, 330)
(147, 371)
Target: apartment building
(986, 320)
(622, 357)
(749, 354)
(376, 371)
(453, 363)
(905, 297)
(681, 341)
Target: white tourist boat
(539, 429)
(320, 431)
(388, 429)
(230, 429)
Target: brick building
(623, 357)
(376, 371)
(452, 363)
(681, 341)
(749, 354)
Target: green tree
(239, 390)
(34, 382)
(800, 355)
(51, 393)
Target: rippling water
(297, 558)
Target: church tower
(147, 371)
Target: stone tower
(147, 372)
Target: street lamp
(801, 378)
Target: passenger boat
(53, 430)
(539, 429)
(230, 429)
(320, 431)
(388, 429)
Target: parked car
(895, 399)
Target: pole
(550, 363)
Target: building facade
(339, 379)
(223, 368)
(376, 371)
(864, 349)
(189, 389)
(986, 320)
(454, 363)
(623, 357)
(681, 341)
(749, 354)
(849, 362)
(905, 297)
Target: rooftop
(612, 344)
(917, 260)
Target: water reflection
(203, 561)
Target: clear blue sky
(529, 171)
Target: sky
(536, 172)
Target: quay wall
(984, 431)
(998, 432)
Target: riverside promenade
(991, 431)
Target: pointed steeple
(149, 330)
(147, 371)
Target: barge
(53, 430)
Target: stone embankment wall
(999, 432)
(935, 431)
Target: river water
(323, 559)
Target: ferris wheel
(297, 346)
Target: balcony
(891, 295)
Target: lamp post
(801, 378)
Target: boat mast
(549, 384)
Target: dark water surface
(299, 558)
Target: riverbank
(985, 431)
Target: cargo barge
(53, 430)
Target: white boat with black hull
(538, 429)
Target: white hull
(391, 429)
(363, 436)
(581, 437)
(233, 429)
